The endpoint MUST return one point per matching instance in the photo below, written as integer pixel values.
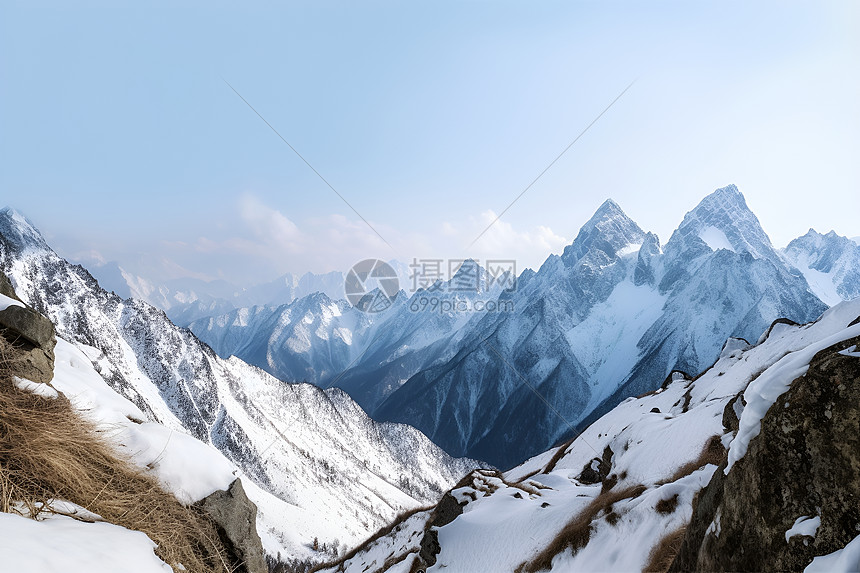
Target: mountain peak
(722, 220)
(19, 231)
(608, 210)
(609, 230)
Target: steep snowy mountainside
(329, 342)
(830, 263)
(612, 315)
(619, 496)
(601, 322)
(306, 447)
(321, 336)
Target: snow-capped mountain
(321, 467)
(733, 470)
(603, 321)
(830, 263)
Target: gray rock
(31, 334)
(6, 287)
(805, 462)
(26, 323)
(236, 517)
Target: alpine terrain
(607, 319)
(321, 472)
(752, 465)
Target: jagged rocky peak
(18, 231)
(722, 220)
(609, 230)
(830, 263)
(820, 252)
(647, 260)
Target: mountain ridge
(614, 291)
(284, 437)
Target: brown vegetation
(667, 506)
(48, 453)
(712, 453)
(575, 535)
(664, 553)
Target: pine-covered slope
(324, 469)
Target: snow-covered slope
(609, 318)
(74, 546)
(322, 468)
(830, 263)
(619, 496)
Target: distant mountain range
(615, 312)
(187, 299)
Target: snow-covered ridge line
(317, 465)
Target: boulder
(31, 334)
(805, 463)
(6, 287)
(27, 324)
(236, 518)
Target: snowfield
(74, 546)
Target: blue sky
(120, 140)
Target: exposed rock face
(236, 517)
(32, 334)
(446, 511)
(6, 287)
(805, 462)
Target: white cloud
(262, 242)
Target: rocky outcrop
(236, 518)
(31, 334)
(805, 463)
(6, 287)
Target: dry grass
(576, 534)
(48, 452)
(664, 553)
(559, 453)
(712, 453)
(667, 506)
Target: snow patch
(715, 239)
(7, 301)
(845, 560)
(43, 390)
(850, 351)
(187, 467)
(74, 545)
(804, 525)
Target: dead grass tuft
(712, 453)
(667, 506)
(48, 453)
(664, 553)
(576, 534)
